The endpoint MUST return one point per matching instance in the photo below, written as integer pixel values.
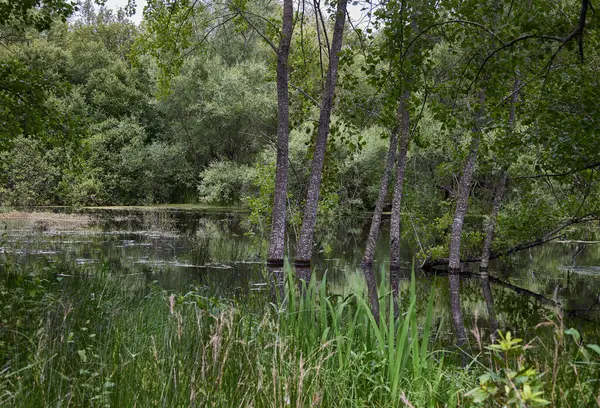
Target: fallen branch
(550, 236)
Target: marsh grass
(106, 339)
(111, 341)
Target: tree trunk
(491, 225)
(549, 236)
(485, 257)
(404, 118)
(278, 224)
(455, 238)
(277, 283)
(372, 290)
(383, 189)
(462, 203)
(305, 243)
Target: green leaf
(594, 347)
(574, 333)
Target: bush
(225, 183)
(29, 175)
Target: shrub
(225, 183)
(29, 175)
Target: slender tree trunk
(383, 189)
(404, 118)
(549, 236)
(305, 243)
(372, 290)
(485, 257)
(278, 224)
(491, 225)
(455, 238)
(462, 203)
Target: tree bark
(277, 283)
(305, 243)
(462, 203)
(278, 224)
(372, 290)
(485, 257)
(404, 119)
(383, 189)
(491, 224)
(455, 239)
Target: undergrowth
(108, 340)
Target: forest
(445, 138)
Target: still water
(183, 248)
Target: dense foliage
(95, 110)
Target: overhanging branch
(549, 236)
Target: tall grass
(110, 341)
(103, 339)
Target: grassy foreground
(105, 339)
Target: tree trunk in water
(462, 203)
(455, 238)
(277, 283)
(485, 257)
(372, 290)
(305, 243)
(278, 224)
(404, 118)
(383, 189)
(491, 225)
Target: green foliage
(26, 107)
(225, 183)
(30, 174)
(169, 33)
(261, 203)
(19, 15)
(513, 385)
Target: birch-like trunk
(491, 226)
(305, 243)
(383, 190)
(372, 290)
(278, 224)
(404, 118)
(462, 203)
(485, 257)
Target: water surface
(181, 248)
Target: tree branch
(550, 236)
(566, 173)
